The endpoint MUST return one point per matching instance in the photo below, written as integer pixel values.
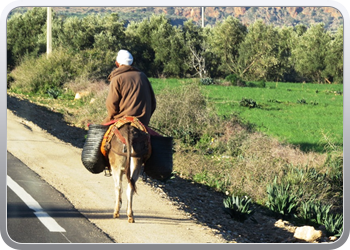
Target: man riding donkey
(130, 92)
(130, 104)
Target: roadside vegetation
(242, 130)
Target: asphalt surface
(23, 226)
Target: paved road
(62, 223)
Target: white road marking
(48, 221)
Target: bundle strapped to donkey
(159, 164)
(91, 156)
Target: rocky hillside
(287, 16)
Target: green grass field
(308, 115)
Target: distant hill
(279, 16)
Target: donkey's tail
(128, 159)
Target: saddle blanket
(116, 124)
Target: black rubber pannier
(91, 156)
(160, 164)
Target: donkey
(129, 148)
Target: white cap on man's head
(124, 57)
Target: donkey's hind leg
(117, 174)
(135, 168)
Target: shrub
(261, 84)
(54, 92)
(322, 182)
(183, 113)
(280, 199)
(238, 207)
(39, 75)
(93, 109)
(214, 180)
(9, 80)
(232, 78)
(301, 101)
(334, 224)
(235, 80)
(207, 81)
(312, 211)
(306, 210)
(250, 103)
(320, 212)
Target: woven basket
(160, 164)
(91, 156)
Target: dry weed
(181, 111)
(93, 109)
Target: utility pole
(49, 33)
(202, 17)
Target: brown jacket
(130, 94)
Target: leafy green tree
(300, 29)
(310, 53)
(161, 36)
(175, 66)
(258, 52)
(112, 35)
(225, 42)
(334, 58)
(23, 31)
(92, 31)
(138, 42)
(284, 70)
(157, 45)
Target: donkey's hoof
(116, 215)
(131, 220)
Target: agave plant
(54, 92)
(321, 212)
(238, 207)
(307, 210)
(281, 199)
(334, 224)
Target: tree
(334, 58)
(23, 32)
(112, 34)
(161, 35)
(310, 53)
(285, 70)
(300, 29)
(196, 49)
(158, 46)
(175, 66)
(259, 53)
(137, 38)
(92, 31)
(225, 42)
